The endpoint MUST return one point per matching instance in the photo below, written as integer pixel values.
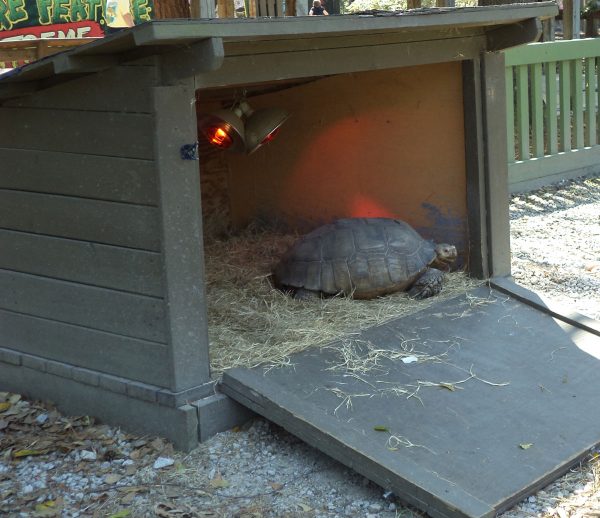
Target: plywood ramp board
(496, 406)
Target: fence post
(571, 19)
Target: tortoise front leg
(428, 285)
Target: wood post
(225, 9)
(571, 19)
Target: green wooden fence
(553, 114)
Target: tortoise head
(445, 256)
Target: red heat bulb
(218, 136)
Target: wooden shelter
(102, 238)
(101, 242)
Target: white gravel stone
(163, 462)
(88, 455)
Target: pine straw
(251, 323)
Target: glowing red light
(218, 136)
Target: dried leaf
(128, 498)
(48, 508)
(165, 510)
(27, 453)
(380, 428)
(131, 470)
(305, 508)
(276, 486)
(218, 482)
(121, 514)
(136, 454)
(14, 398)
(448, 386)
(5, 406)
(158, 444)
(112, 478)
(525, 445)
(131, 489)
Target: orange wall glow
(383, 143)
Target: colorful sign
(33, 19)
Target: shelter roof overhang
(204, 44)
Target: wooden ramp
(502, 399)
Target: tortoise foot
(428, 285)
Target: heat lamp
(240, 128)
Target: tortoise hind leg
(304, 294)
(428, 285)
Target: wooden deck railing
(17, 53)
(553, 100)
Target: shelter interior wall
(380, 143)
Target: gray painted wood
(474, 162)
(125, 96)
(507, 36)
(124, 269)
(68, 64)
(121, 224)
(181, 234)
(204, 56)
(172, 31)
(546, 305)
(88, 132)
(496, 168)
(218, 412)
(360, 449)
(241, 70)
(464, 432)
(156, 37)
(9, 90)
(114, 311)
(237, 48)
(74, 174)
(130, 358)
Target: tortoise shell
(359, 257)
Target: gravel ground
(52, 465)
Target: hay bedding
(251, 323)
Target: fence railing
(553, 115)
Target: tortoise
(363, 258)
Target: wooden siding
(74, 174)
(127, 98)
(78, 131)
(134, 271)
(81, 265)
(121, 224)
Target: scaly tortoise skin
(363, 258)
